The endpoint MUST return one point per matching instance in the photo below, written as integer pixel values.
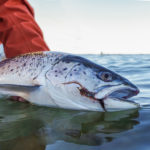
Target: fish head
(85, 81)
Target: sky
(95, 26)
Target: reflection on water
(27, 127)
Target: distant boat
(101, 53)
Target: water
(28, 127)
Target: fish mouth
(124, 93)
(120, 91)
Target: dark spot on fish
(84, 72)
(55, 70)
(70, 74)
(37, 65)
(11, 69)
(24, 64)
(65, 69)
(56, 59)
(34, 78)
(6, 61)
(75, 70)
(56, 75)
(39, 59)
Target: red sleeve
(19, 32)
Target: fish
(67, 81)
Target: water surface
(28, 127)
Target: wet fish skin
(26, 67)
(41, 78)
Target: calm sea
(28, 127)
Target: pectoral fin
(19, 87)
(7, 90)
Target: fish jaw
(115, 97)
(114, 104)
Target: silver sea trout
(67, 81)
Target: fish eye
(105, 76)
